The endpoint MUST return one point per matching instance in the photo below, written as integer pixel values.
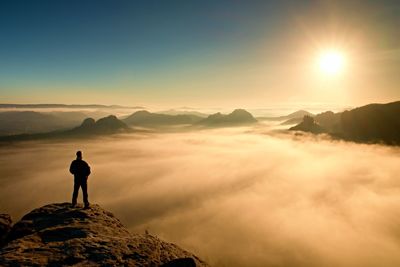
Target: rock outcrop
(58, 235)
(106, 125)
(373, 123)
(5, 227)
(235, 118)
(308, 125)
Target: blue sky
(171, 52)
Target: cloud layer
(236, 197)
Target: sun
(331, 62)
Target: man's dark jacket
(80, 169)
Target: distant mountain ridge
(146, 118)
(237, 117)
(89, 127)
(107, 125)
(32, 122)
(371, 123)
(65, 106)
(28, 122)
(290, 118)
(183, 112)
(293, 121)
(111, 124)
(297, 114)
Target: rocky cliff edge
(59, 235)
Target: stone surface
(5, 227)
(58, 235)
(181, 262)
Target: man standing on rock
(81, 171)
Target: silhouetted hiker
(81, 171)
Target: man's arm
(72, 168)
(88, 169)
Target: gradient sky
(197, 53)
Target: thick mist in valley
(235, 196)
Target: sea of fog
(233, 196)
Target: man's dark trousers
(80, 182)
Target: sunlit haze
(331, 62)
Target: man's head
(79, 154)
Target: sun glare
(331, 62)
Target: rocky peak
(242, 114)
(88, 122)
(237, 117)
(240, 111)
(308, 125)
(58, 235)
(141, 113)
